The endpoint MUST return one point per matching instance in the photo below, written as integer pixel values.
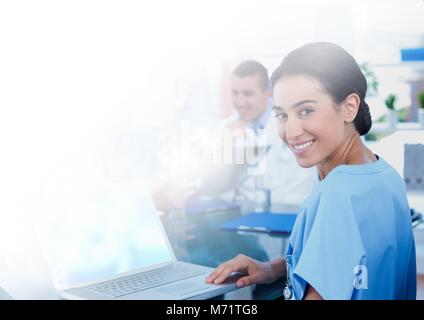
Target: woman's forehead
(290, 89)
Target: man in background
(281, 175)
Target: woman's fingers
(219, 271)
(224, 270)
(211, 278)
(225, 274)
(248, 280)
(245, 281)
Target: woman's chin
(305, 163)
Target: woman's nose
(293, 129)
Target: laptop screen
(101, 233)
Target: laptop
(4, 295)
(110, 244)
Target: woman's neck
(352, 151)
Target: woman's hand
(256, 272)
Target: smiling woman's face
(309, 121)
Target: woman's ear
(350, 107)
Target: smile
(300, 148)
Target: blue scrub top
(353, 237)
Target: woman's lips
(301, 148)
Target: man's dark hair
(252, 68)
(335, 69)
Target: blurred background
(100, 91)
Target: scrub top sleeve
(333, 255)
(410, 283)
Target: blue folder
(263, 222)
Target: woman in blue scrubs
(353, 236)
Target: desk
(198, 239)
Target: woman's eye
(305, 112)
(281, 115)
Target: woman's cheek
(281, 131)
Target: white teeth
(303, 146)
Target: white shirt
(287, 181)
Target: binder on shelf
(412, 54)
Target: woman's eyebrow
(296, 105)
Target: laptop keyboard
(145, 280)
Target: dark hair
(251, 68)
(335, 69)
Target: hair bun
(363, 119)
